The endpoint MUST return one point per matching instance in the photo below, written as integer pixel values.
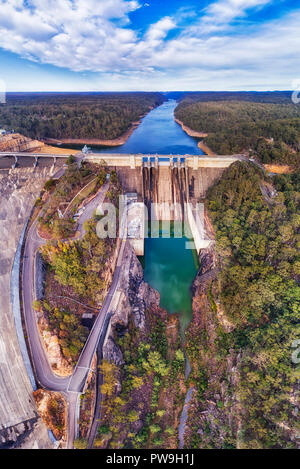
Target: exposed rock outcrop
(112, 353)
(207, 271)
(52, 408)
(18, 142)
(135, 296)
(59, 364)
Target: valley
(178, 347)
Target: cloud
(79, 34)
(159, 30)
(97, 36)
(225, 11)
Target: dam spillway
(170, 194)
(172, 186)
(165, 188)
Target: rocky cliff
(135, 296)
(17, 142)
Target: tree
(133, 416)
(80, 443)
(154, 428)
(37, 305)
(109, 371)
(137, 382)
(156, 363)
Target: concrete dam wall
(166, 184)
(175, 192)
(20, 424)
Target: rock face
(207, 270)
(17, 142)
(52, 408)
(135, 296)
(59, 364)
(20, 424)
(112, 353)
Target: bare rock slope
(18, 142)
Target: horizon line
(155, 91)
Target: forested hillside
(278, 97)
(75, 115)
(269, 130)
(242, 343)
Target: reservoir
(158, 133)
(169, 267)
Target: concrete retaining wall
(39, 277)
(197, 228)
(16, 308)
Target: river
(158, 133)
(169, 267)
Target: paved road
(89, 210)
(72, 386)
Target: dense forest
(269, 130)
(75, 115)
(277, 97)
(256, 294)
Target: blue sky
(116, 45)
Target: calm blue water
(158, 133)
(170, 268)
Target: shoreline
(195, 134)
(206, 149)
(115, 142)
(189, 131)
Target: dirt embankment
(195, 134)
(19, 143)
(189, 131)
(60, 365)
(278, 169)
(206, 149)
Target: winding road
(72, 386)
